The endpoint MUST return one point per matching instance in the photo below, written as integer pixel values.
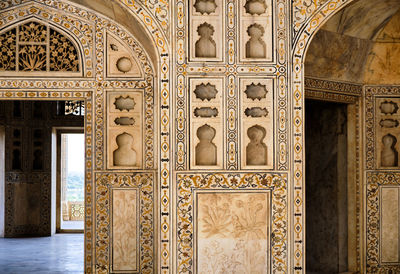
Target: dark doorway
(326, 187)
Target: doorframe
(56, 184)
(354, 170)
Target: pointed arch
(307, 29)
(33, 47)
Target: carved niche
(387, 132)
(256, 40)
(206, 123)
(124, 129)
(121, 62)
(206, 39)
(257, 112)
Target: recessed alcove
(352, 131)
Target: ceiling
(359, 44)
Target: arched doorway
(359, 68)
(115, 77)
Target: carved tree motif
(8, 50)
(36, 41)
(32, 58)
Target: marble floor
(61, 253)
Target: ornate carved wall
(186, 132)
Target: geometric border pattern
(333, 86)
(188, 184)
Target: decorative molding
(328, 96)
(333, 86)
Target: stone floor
(61, 253)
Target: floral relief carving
(252, 260)
(33, 44)
(124, 228)
(32, 32)
(63, 55)
(233, 223)
(8, 49)
(233, 232)
(32, 58)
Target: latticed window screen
(36, 47)
(65, 108)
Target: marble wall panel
(387, 128)
(232, 234)
(26, 204)
(256, 31)
(257, 123)
(390, 224)
(125, 129)
(124, 229)
(206, 123)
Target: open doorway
(326, 187)
(70, 180)
(29, 180)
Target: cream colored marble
(203, 96)
(121, 62)
(126, 105)
(232, 232)
(264, 120)
(124, 230)
(390, 225)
